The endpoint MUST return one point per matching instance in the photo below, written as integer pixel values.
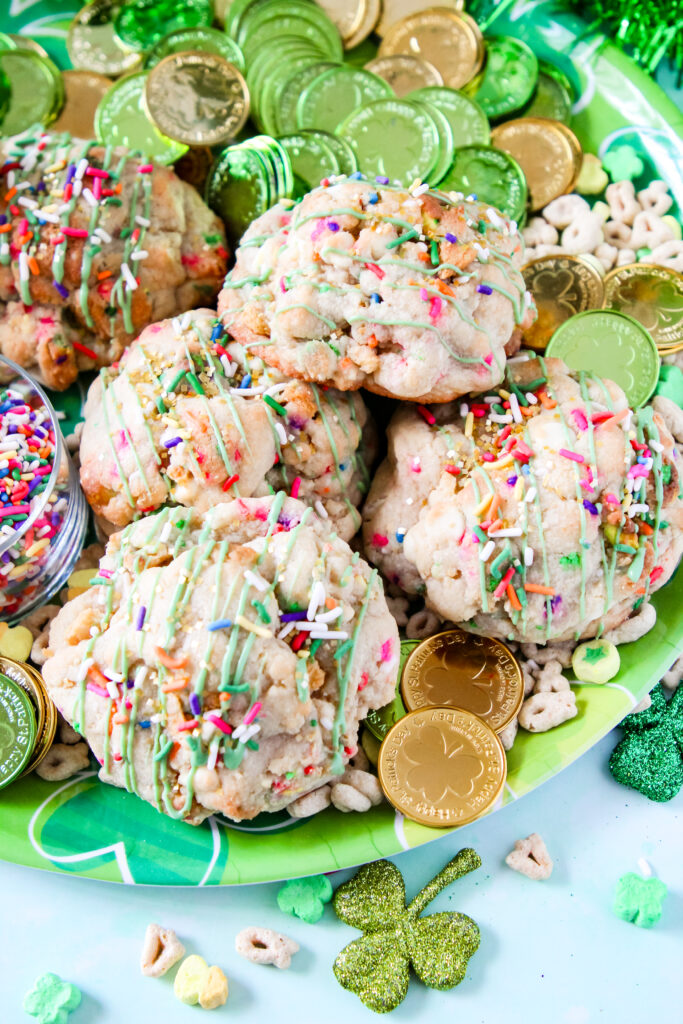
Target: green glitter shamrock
(622, 163)
(51, 999)
(305, 897)
(649, 758)
(376, 966)
(639, 900)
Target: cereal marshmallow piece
(264, 946)
(531, 858)
(15, 643)
(305, 897)
(161, 950)
(596, 661)
(51, 1000)
(196, 982)
(639, 900)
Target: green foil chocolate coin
(239, 188)
(36, 91)
(289, 18)
(491, 175)
(381, 720)
(205, 40)
(468, 121)
(553, 96)
(17, 729)
(143, 23)
(290, 92)
(311, 157)
(346, 158)
(446, 146)
(93, 44)
(393, 138)
(609, 344)
(5, 94)
(121, 120)
(509, 78)
(329, 99)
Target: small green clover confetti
(305, 897)
(649, 758)
(51, 999)
(622, 163)
(639, 900)
(439, 946)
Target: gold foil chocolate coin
(348, 15)
(561, 286)
(83, 92)
(396, 10)
(457, 669)
(652, 295)
(405, 73)
(31, 682)
(197, 98)
(451, 42)
(544, 154)
(442, 767)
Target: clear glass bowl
(31, 571)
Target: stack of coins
(441, 762)
(166, 78)
(28, 720)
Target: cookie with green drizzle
(95, 243)
(542, 510)
(189, 416)
(223, 661)
(412, 294)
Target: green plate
(83, 827)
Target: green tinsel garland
(648, 29)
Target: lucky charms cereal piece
(160, 951)
(214, 992)
(531, 858)
(438, 947)
(196, 982)
(670, 384)
(305, 897)
(622, 163)
(15, 643)
(264, 946)
(596, 661)
(649, 758)
(592, 179)
(639, 900)
(51, 999)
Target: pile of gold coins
(441, 761)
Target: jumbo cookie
(413, 294)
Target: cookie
(95, 244)
(188, 416)
(546, 510)
(224, 660)
(416, 295)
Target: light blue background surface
(551, 952)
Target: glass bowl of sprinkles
(43, 514)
